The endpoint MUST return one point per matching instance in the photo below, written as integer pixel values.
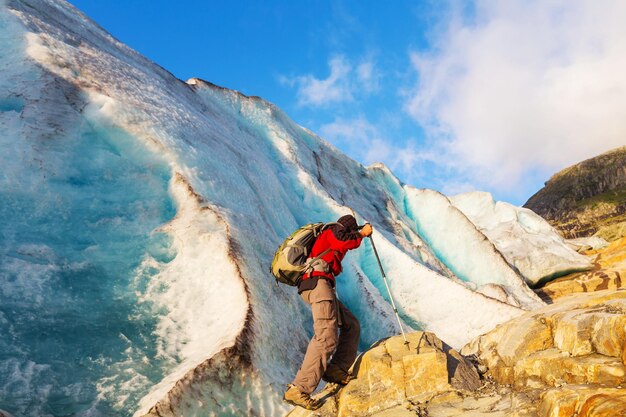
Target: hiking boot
(337, 375)
(294, 396)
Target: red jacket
(335, 255)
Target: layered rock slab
(570, 401)
(394, 377)
(565, 359)
(580, 340)
(609, 273)
(583, 401)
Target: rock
(5, 414)
(614, 256)
(496, 406)
(583, 401)
(580, 340)
(514, 339)
(572, 332)
(507, 404)
(393, 378)
(608, 335)
(582, 282)
(565, 359)
(587, 198)
(609, 274)
(553, 367)
(398, 411)
(393, 373)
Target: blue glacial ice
(464, 248)
(79, 211)
(80, 202)
(525, 239)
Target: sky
(451, 95)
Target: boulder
(393, 378)
(583, 401)
(580, 340)
(563, 360)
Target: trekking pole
(393, 304)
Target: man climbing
(335, 328)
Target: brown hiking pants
(328, 337)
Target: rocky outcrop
(570, 401)
(566, 359)
(583, 401)
(394, 378)
(587, 198)
(569, 356)
(580, 340)
(609, 273)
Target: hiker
(336, 329)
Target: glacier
(524, 238)
(470, 255)
(139, 217)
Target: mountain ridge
(588, 198)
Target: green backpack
(291, 259)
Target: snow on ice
(524, 238)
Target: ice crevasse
(150, 208)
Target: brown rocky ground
(566, 359)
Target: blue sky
(455, 96)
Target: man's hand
(366, 230)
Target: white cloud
(365, 142)
(368, 76)
(332, 89)
(526, 86)
(353, 130)
(357, 136)
(452, 187)
(340, 86)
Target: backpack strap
(317, 263)
(322, 254)
(327, 225)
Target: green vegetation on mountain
(588, 198)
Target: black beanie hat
(346, 229)
(348, 222)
